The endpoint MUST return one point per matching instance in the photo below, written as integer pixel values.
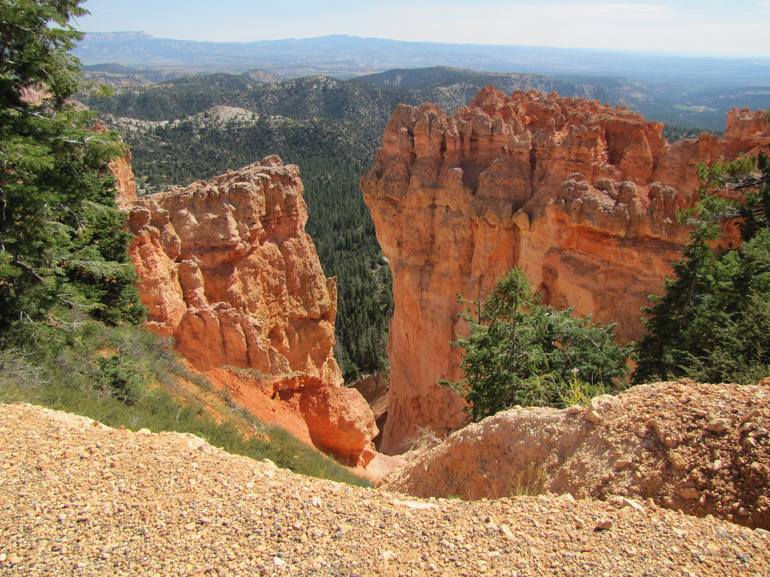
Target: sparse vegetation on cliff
(125, 377)
(711, 324)
(520, 352)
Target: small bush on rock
(521, 352)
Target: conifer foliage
(712, 323)
(63, 248)
(520, 352)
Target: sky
(717, 27)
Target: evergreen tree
(62, 241)
(711, 323)
(520, 352)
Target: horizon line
(654, 53)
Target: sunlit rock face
(583, 197)
(226, 268)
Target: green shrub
(121, 381)
(520, 352)
(578, 392)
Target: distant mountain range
(346, 56)
(166, 94)
(362, 99)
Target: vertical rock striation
(124, 180)
(583, 197)
(226, 268)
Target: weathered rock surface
(701, 449)
(334, 416)
(226, 268)
(80, 499)
(335, 419)
(124, 180)
(581, 196)
(122, 171)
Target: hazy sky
(693, 26)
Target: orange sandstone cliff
(583, 197)
(226, 268)
(124, 180)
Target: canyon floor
(79, 498)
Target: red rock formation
(121, 170)
(335, 419)
(124, 180)
(340, 421)
(583, 197)
(226, 268)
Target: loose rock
(146, 520)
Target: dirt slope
(702, 449)
(77, 498)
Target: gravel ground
(80, 499)
(698, 448)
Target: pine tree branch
(29, 268)
(749, 183)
